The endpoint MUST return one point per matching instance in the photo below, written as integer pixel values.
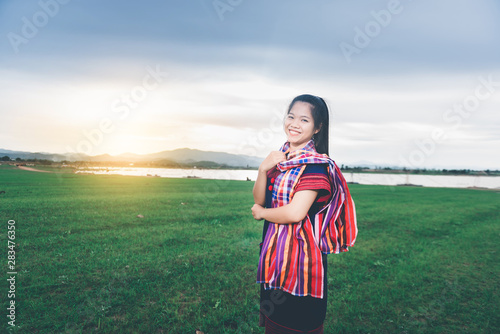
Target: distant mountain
(187, 155)
(191, 157)
(183, 155)
(33, 155)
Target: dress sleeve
(315, 177)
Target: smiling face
(299, 125)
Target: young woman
(308, 212)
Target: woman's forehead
(300, 108)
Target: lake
(448, 181)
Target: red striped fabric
(291, 258)
(315, 181)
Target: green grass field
(426, 259)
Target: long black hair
(319, 111)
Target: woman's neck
(295, 148)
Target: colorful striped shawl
(290, 257)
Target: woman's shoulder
(316, 169)
(315, 177)
(315, 173)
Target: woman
(308, 212)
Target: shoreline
(226, 174)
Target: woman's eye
(305, 120)
(290, 117)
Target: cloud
(229, 81)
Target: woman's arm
(293, 212)
(259, 188)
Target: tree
(5, 158)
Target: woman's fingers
(256, 209)
(273, 158)
(277, 157)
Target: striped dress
(292, 264)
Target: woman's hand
(290, 213)
(259, 188)
(274, 158)
(257, 211)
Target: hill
(182, 155)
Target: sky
(408, 83)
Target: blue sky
(414, 83)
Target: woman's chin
(296, 142)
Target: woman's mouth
(293, 132)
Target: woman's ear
(319, 129)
